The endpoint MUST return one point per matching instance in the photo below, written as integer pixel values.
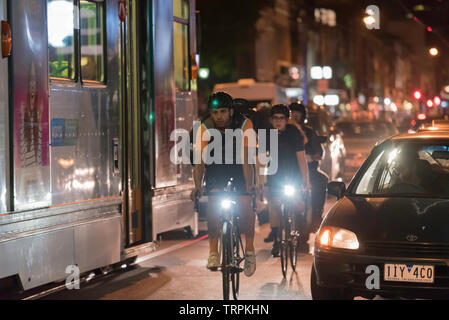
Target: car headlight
(289, 191)
(332, 237)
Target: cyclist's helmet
(241, 106)
(295, 106)
(280, 109)
(219, 100)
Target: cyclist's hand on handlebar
(194, 193)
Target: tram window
(181, 56)
(61, 39)
(92, 41)
(181, 9)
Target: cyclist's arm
(199, 169)
(198, 174)
(302, 163)
(248, 171)
(249, 143)
(317, 148)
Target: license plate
(409, 273)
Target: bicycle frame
(289, 233)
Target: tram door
(4, 108)
(134, 154)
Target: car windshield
(365, 129)
(406, 169)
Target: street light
(433, 52)
(369, 20)
(204, 73)
(372, 17)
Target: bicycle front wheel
(238, 252)
(226, 258)
(294, 243)
(285, 231)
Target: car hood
(392, 219)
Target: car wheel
(324, 293)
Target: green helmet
(220, 100)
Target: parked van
(255, 92)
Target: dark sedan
(388, 234)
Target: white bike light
(289, 190)
(226, 203)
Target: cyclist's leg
(301, 223)
(274, 206)
(248, 219)
(298, 207)
(318, 182)
(213, 222)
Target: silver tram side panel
(83, 166)
(172, 207)
(30, 104)
(4, 124)
(67, 204)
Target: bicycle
(231, 250)
(289, 233)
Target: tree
(228, 32)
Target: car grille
(398, 249)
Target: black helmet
(219, 100)
(295, 106)
(282, 109)
(241, 106)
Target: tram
(90, 91)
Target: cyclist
(314, 153)
(216, 176)
(292, 168)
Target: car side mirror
(322, 139)
(337, 189)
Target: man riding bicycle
(314, 153)
(292, 169)
(217, 175)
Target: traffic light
(437, 101)
(429, 104)
(417, 95)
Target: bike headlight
(289, 191)
(226, 203)
(331, 237)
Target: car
(392, 218)
(435, 125)
(333, 162)
(360, 137)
